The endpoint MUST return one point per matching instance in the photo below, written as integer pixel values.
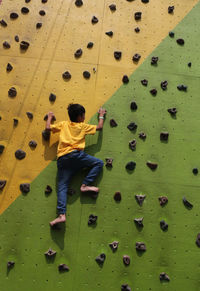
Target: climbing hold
(126, 260)
(132, 144)
(189, 64)
(86, 74)
(10, 264)
(163, 200)
(112, 7)
(132, 126)
(117, 196)
(100, 259)
(27, 1)
(46, 134)
(137, 29)
(63, 268)
(3, 23)
(25, 187)
(6, 45)
(12, 92)
(114, 245)
(164, 277)
(2, 147)
(142, 135)
(44, 1)
(140, 246)
(78, 3)
(90, 44)
(198, 240)
(136, 58)
(71, 191)
(42, 12)
(152, 166)
(13, 15)
(153, 92)
(15, 121)
(52, 97)
(180, 41)
(144, 82)
(2, 184)
(171, 34)
(32, 144)
(125, 79)
(163, 225)
(145, 1)
(195, 171)
(38, 25)
(138, 15)
(172, 111)
(170, 9)
(16, 38)
(133, 105)
(140, 199)
(182, 88)
(24, 45)
(113, 123)
(131, 166)
(30, 115)
(164, 85)
(20, 154)
(139, 222)
(50, 253)
(117, 55)
(109, 33)
(187, 203)
(48, 190)
(78, 53)
(94, 20)
(109, 162)
(125, 287)
(92, 219)
(66, 75)
(24, 10)
(9, 67)
(164, 136)
(154, 60)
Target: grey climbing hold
(163, 200)
(50, 253)
(140, 198)
(63, 268)
(139, 222)
(132, 144)
(164, 277)
(114, 245)
(140, 246)
(152, 166)
(100, 259)
(126, 260)
(109, 162)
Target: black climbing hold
(154, 60)
(2, 147)
(126, 260)
(38, 25)
(12, 92)
(32, 144)
(189, 64)
(46, 117)
(195, 171)
(113, 123)
(6, 45)
(24, 45)
(92, 219)
(164, 277)
(142, 135)
(182, 88)
(117, 196)
(136, 58)
(114, 245)
(132, 144)
(16, 38)
(109, 33)
(66, 75)
(10, 264)
(78, 3)
(163, 200)
(125, 79)
(44, 1)
(140, 199)
(52, 97)
(117, 55)
(2, 184)
(163, 225)
(78, 53)
(90, 44)
(198, 240)
(137, 29)
(71, 191)
(63, 268)
(42, 12)
(172, 111)
(144, 82)
(125, 287)
(152, 166)
(133, 105)
(9, 67)
(15, 121)
(48, 190)
(138, 15)
(50, 253)
(153, 92)
(180, 41)
(20, 154)
(29, 115)
(86, 74)
(101, 258)
(145, 1)
(94, 20)
(164, 85)
(140, 246)
(109, 162)
(187, 203)
(112, 7)
(3, 23)
(164, 136)
(132, 126)
(46, 134)
(13, 15)
(171, 34)
(139, 222)
(25, 187)
(24, 10)
(170, 9)
(27, 1)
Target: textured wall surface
(24, 232)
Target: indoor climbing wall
(139, 59)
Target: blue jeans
(67, 166)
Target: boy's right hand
(51, 114)
(102, 111)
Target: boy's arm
(101, 112)
(49, 119)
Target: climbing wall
(124, 44)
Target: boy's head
(76, 112)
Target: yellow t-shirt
(72, 135)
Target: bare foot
(60, 218)
(86, 188)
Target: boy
(70, 154)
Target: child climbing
(71, 156)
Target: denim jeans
(67, 166)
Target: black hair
(75, 110)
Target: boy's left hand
(102, 111)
